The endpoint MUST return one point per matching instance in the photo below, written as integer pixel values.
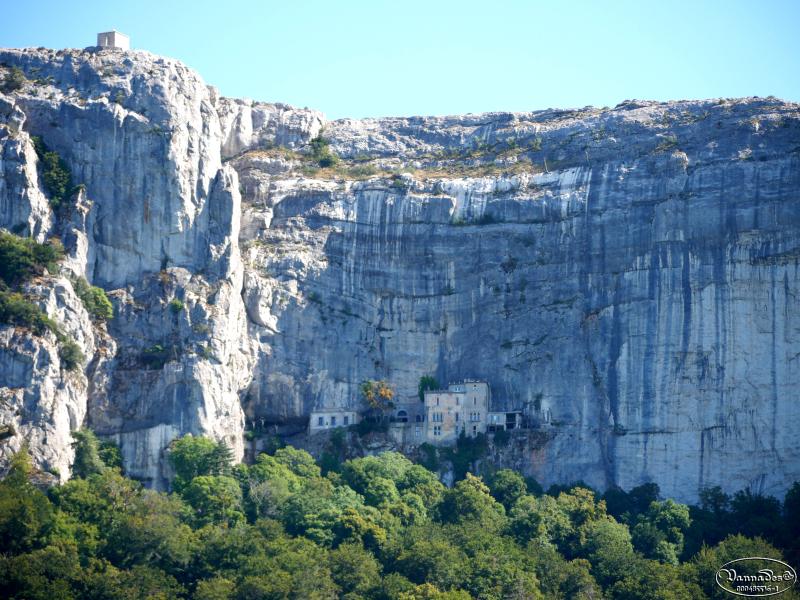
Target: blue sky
(383, 58)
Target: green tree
(525, 520)
(434, 561)
(45, 574)
(426, 382)
(216, 588)
(143, 581)
(470, 500)
(315, 510)
(421, 482)
(299, 462)
(87, 454)
(608, 548)
(650, 580)
(354, 570)
(268, 485)
(507, 487)
(287, 568)
(560, 578)
(711, 521)
(791, 532)
(222, 550)
(99, 500)
(26, 515)
(362, 527)
(215, 499)
(466, 453)
(392, 586)
(756, 515)
(709, 560)
(192, 456)
(659, 533)
(427, 591)
(110, 454)
(151, 531)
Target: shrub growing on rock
(14, 80)
(321, 152)
(94, 300)
(23, 258)
(55, 173)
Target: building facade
(332, 418)
(461, 408)
(113, 39)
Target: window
(437, 417)
(347, 420)
(474, 401)
(437, 400)
(474, 430)
(437, 430)
(320, 421)
(333, 421)
(456, 417)
(417, 431)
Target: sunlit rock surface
(628, 276)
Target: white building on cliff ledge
(114, 39)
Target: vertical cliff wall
(628, 276)
(633, 285)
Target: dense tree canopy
(378, 527)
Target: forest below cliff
(378, 527)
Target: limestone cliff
(629, 276)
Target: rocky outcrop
(40, 400)
(247, 124)
(627, 276)
(23, 207)
(142, 136)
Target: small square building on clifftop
(114, 39)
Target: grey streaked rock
(627, 275)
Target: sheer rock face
(636, 294)
(628, 276)
(141, 133)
